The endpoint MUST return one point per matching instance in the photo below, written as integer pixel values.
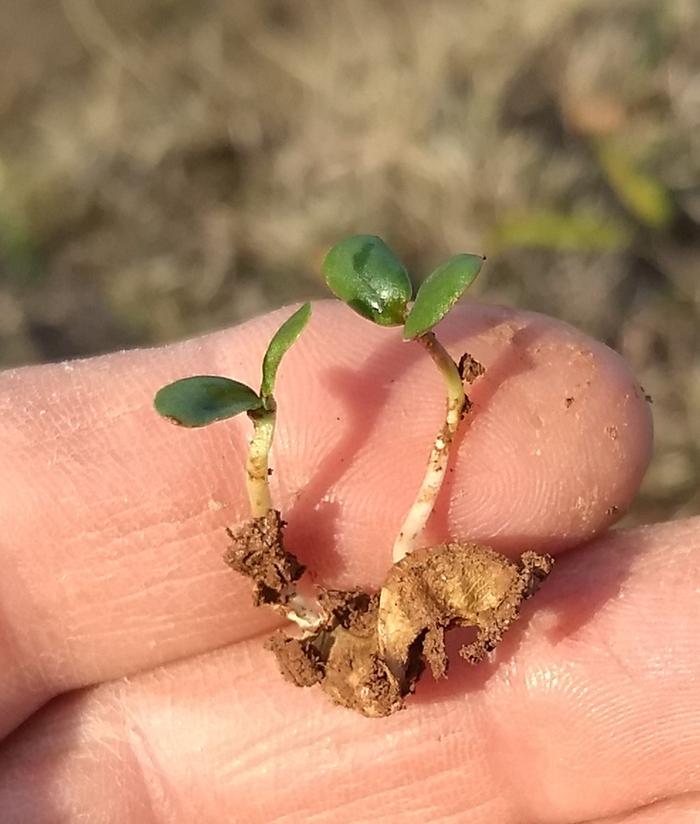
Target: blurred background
(169, 167)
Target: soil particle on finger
(469, 368)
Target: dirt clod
(258, 553)
(455, 584)
(347, 609)
(367, 650)
(469, 368)
(299, 661)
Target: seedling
(204, 399)
(367, 650)
(365, 273)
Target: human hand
(115, 603)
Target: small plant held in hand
(204, 399)
(428, 590)
(364, 272)
(367, 650)
(258, 550)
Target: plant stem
(301, 608)
(257, 463)
(417, 516)
(304, 611)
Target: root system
(368, 650)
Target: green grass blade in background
(644, 197)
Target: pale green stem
(257, 464)
(302, 609)
(418, 515)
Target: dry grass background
(168, 167)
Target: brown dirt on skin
(368, 650)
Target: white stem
(418, 515)
(257, 465)
(300, 609)
(304, 614)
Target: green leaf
(203, 399)
(280, 343)
(364, 272)
(579, 231)
(644, 197)
(439, 292)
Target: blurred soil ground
(169, 167)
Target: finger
(112, 520)
(590, 710)
(684, 809)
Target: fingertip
(557, 442)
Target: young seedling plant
(367, 650)
(204, 399)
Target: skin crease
(112, 531)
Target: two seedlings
(367, 650)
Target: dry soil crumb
(346, 608)
(298, 659)
(258, 553)
(455, 584)
(368, 650)
(469, 368)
